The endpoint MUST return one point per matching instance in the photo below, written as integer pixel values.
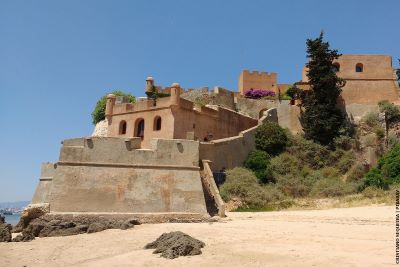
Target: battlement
(115, 151)
(258, 80)
(259, 73)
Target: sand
(363, 236)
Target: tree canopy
(98, 113)
(322, 119)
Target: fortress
(156, 158)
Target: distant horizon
(60, 57)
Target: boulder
(32, 211)
(174, 244)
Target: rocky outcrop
(5, 231)
(174, 244)
(32, 211)
(57, 225)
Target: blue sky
(58, 57)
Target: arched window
(157, 123)
(359, 67)
(139, 128)
(122, 127)
(336, 67)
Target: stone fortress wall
(369, 79)
(114, 175)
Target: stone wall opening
(122, 127)
(139, 128)
(157, 123)
(359, 67)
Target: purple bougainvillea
(258, 93)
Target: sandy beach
(362, 236)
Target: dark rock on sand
(174, 244)
(96, 227)
(54, 225)
(5, 232)
(130, 223)
(26, 236)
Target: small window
(359, 67)
(122, 127)
(336, 67)
(157, 123)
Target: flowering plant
(258, 93)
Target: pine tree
(322, 120)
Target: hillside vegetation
(302, 172)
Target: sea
(12, 219)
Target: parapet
(114, 151)
(258, 73)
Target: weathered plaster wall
(219, 122)
(132, 119)
(253, 107)
(222, 97)
(113, 175)
(369, 92)
(289, 116)
(43, 189)
(375, 83)
(228, 152)
(126, 189)
(257, 80)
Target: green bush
(239, 182)
(393, 140)
(315, 155)
(344, 163)
(258, 162)
(327, 172)
(242, 183)
(285, 164)
(371, 119)
(387, 172)
(332, 187)
(285, 97)
(295, 185)
(271, 138)
(356, 172)
(372, 192)
(379, 131)
(344, 142)
(98, 113)
(293, 92)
